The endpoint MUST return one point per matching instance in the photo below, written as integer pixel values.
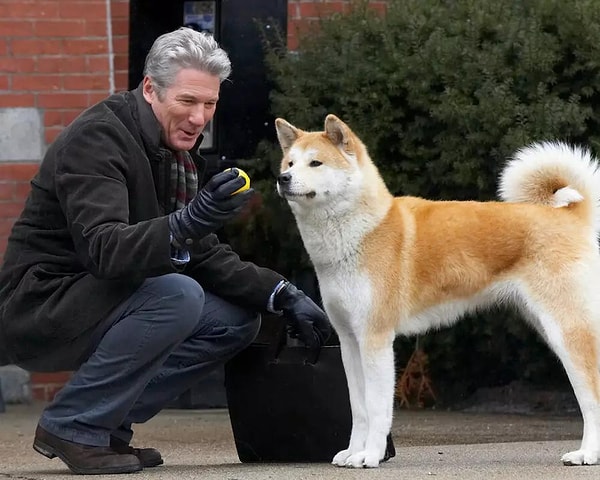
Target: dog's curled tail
(554, 174)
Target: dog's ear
(287, 134)
(337, 131)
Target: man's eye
(315, 163)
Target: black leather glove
(306, 321)
(210, 209)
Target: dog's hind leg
(351, 359)
(574, 339)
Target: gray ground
(198, 444)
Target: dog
(389, 266)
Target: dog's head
(319, 167)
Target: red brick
(95, 28)
(59, 28)
(22, 9)
(17, 64)
(86, 82)
(18, 171)
(121, 62)
(17, 100)
(84, 46)
(69, 115)
(120, 26)
(53, 118)
(37, 83)
(46, 392)
(95, 97)
(22, 190)
(121, 44)
(5, 227)
(293, 10)
(121, 81)
(292, 41)
(51, 133)
(308, 10)
(7, 190)
(3, 47)
(85, 10)
(97, 63)
(61, 64)
(10, 209)
(119, 9)
(63, 100)
(37, 47)
(4, 82)
(16, 28)
(41, 378)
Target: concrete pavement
(198, 444)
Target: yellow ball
(245, 176)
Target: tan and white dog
(396, 266)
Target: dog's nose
(284, 178)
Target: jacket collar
(150, 129)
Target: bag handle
(282, 340)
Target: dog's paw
(365, 458)
(580, 457)
(340, 458)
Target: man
(113, 269)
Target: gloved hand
(306, 321)
(211, 208)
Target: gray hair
(184, 48)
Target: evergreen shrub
(442, 92)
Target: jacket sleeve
(92, 185)
(221, 271)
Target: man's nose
(198, 115)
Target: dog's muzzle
(284, 188)
(284, 179)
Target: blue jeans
(162, 340)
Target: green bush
(441, 92)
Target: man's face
(186, 106)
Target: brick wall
(304, 13)
(56, 59)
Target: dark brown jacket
(94, 227)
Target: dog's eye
(290, 164)
(315, 163)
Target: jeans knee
(181, 300)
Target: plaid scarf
(184, 180)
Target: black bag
(289, 403)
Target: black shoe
(148, 457)
(84, 459)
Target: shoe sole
(51, 453)
(152, 464)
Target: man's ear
(287, 134)
(148, 89)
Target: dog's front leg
(351, 359)
(379, 379)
